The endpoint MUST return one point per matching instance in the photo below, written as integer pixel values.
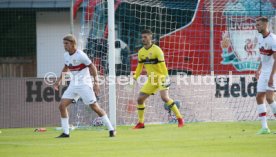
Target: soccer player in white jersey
(266, 72)
(81, 67)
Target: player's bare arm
(93, 72)
(57, 84)
(258, 72)
(270, 81)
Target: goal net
(210, 50)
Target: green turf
(237, 139)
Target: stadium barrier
(30, 102)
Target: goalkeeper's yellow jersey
(154, 62)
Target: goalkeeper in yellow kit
(151, 56)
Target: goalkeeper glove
(135, 77)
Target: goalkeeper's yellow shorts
(150, 88)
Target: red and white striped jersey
(267, 46)
(77, 64)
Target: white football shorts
(262, 84)
(84, 91)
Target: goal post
(111, 60)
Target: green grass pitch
(229, 139)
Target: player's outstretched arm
(57, 84)
(138, 70)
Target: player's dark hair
(146, 31)
(263, 19)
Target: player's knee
(269, 100)
(260, 97)
(140, 100)
(62, 107)
(165, 99)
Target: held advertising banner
(31, 103)
(28, 103)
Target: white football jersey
(267, 46)
(77, 64)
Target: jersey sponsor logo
(263, 51)
(150, 61)
(77, 67)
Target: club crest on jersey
(266, 46)
(150, 55)
(75, 62)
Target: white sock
(262, 115)
(107, 122)
(273, 108)
(65, 125)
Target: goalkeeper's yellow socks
(141, 112)
(174, 108)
